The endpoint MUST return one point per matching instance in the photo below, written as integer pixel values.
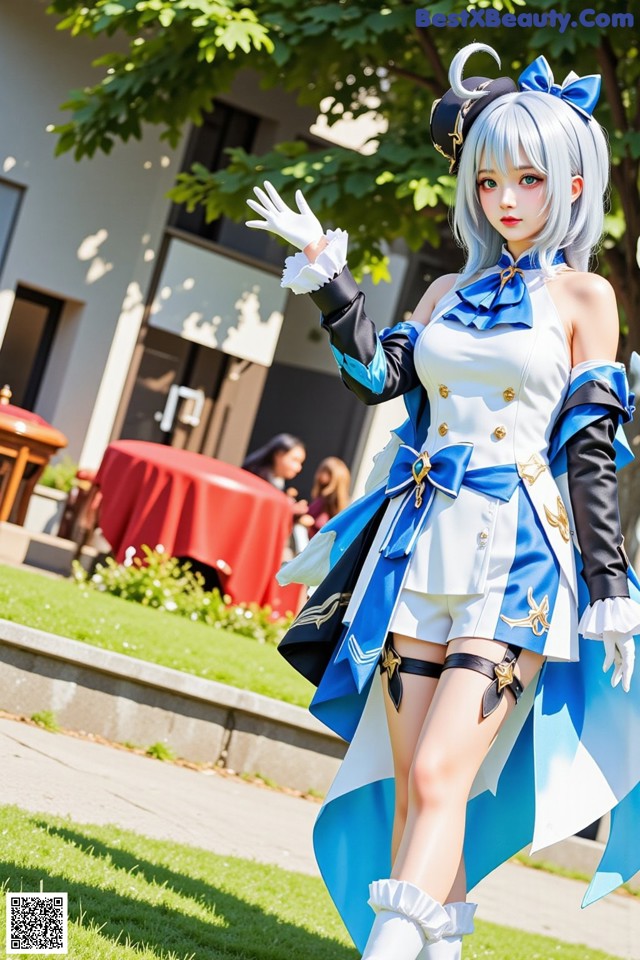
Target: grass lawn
(133, 898)
(62, 607)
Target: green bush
(60, 475)
(164, 583)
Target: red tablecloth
(198, 507)
(20, 414)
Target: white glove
(621, 654)
(299, 229)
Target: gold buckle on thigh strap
(393, 665)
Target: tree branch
(608, 63)
(425, 82)
(440, 72)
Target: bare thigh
(451, 747)
(406, 724)
(454, 725)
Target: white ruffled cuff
(400, 896)
(302, 276)
(613, 615)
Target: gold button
(483, 536)
(443, 429)
(509, 394)
(500, 433)
(444, 391)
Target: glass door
(193, 397)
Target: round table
(27, 443)
(195, 506)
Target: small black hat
(452, 117)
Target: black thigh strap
(501, 674)
(393, 665)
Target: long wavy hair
(335, 492)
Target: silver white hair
(559, 142)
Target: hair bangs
(510, 136)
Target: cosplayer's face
(513, 203)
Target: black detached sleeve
(593, 489)
(374, 367)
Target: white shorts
(503, 611)
(439, 618)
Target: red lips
(509, 221)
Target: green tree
(342, 57)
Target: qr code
(36, 923)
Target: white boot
(450, 946)
(406, 919)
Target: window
(27, 343)
(226, 126)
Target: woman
(500, 728)
(330, 492)
(280, 459)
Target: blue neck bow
(581, 93)
(500, 297)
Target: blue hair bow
(581, 93)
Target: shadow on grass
(247, 932)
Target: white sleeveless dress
(482, 566)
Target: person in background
(330, 492)
(279, 460)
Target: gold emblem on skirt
(559, 520)
(537, 618)
(531, 469)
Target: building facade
(122, 316)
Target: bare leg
(451, 747)
(405, 724)
(405, 728)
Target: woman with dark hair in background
(280, 459)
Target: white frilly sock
(450, 947)
(406, 919)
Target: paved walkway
(92, 783)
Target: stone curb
(130, 700)
(125, 700)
